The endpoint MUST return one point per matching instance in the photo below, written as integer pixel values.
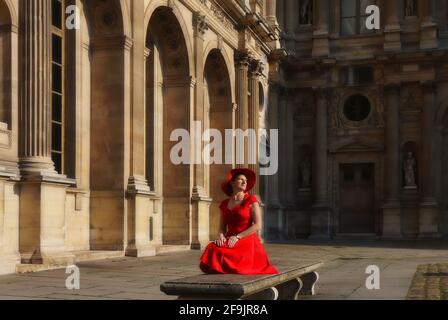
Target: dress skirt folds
(248, 256)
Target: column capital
(256, 68)
(242, 59)
(147, 52)
(200, 23)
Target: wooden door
(357, 198)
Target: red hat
(248, 173)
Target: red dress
(248, 255)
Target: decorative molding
(256, 68)
(200, 23)
(5, 136)
(108, 43)
(219, 14)
(242, 59)
(337, 101)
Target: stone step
(62, 261)
(172, 249)
(356, 236)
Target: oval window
(357, 108)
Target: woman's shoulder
(224, 204)
(251, 199)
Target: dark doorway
(357, 198)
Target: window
(410, 8)
(357, 108)
(362, 75)
(353, 17)
(306, 12)
(57, 84)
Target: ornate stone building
(363, 118)
(86, 115)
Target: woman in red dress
(238, 249)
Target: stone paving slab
(342, 277)
(430, 283)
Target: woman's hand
(221, 241)
(232, 242)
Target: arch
(169, 90)
(218, 105)
(149, 13)
(6, 60)
(127, 25)
(214, 45)
(108, 26)
(11, 9)
(109, 17)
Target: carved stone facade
(86, 116)
(360, 104)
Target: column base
(320, 223)
(321, 44)
(392, 220)
(392, 38)
(138, 184)
(140, 251)
(49, 259)
(8, 263)
(428, 36)
(201, 219)
(428, 219)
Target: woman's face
(239, 183)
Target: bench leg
(268, 294)
(309, 281)
(290, 290)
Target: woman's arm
(256, 226)
(222, 233)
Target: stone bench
(289, 284)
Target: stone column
(392, 206)
(281, 14)
(242, 61)
(35, 95)
(42, 190)
(392, 30)
(283, 186)
(273, 110)
(428, 226)
(291, 16)
(428, 28)
(137, 180)
(255, 71)
(321, 46)
(138, 192)
(320, 220)
(271, 12)
(200, 198)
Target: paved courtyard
(342, 277)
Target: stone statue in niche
(410, 8)
(305, 172)
(410, 171)
(306, 12)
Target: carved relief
(411, 104)
(219, 14)
(338, 114)
(304, 117)
(200, 23)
